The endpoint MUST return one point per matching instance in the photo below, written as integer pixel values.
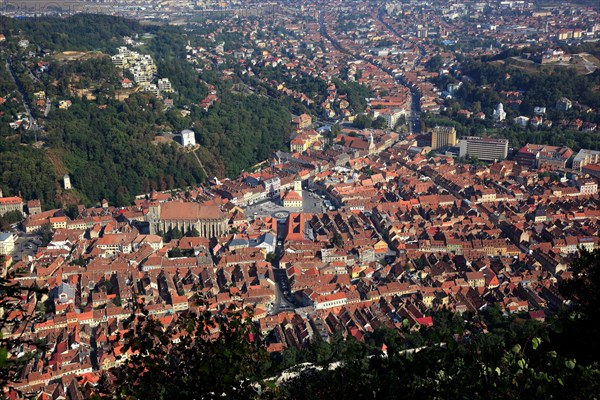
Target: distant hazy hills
(590, 3)
(13, 7)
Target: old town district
(372, 230)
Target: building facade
(390, 115)
(305, 140)
(7, 243)
(443, 136)
(67, 182)
(188, 138)
(486, 149)
(302, 121)
(586, 157)
(34, 207)
(8, 204)
(539, 155)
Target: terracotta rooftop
(179, 210)
(10, 200)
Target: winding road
(26, 103)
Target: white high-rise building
(487, 149)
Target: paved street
(281, 292)
(25, 245)
(311, 203)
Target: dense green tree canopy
(110, 148)
(79, 32)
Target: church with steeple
(371, 144)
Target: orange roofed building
(305, 140)
(292, 199)
(208, 220)
(301, 122)
(8, 204)
(296, 223)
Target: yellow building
(301, 121)
(58, 222)
(306, 140)
(292, 199)
(443, 136)
(488, 195)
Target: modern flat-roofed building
(485, 149)
(443, 136)
(391, 116)
(586, 157)
(7, 243)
